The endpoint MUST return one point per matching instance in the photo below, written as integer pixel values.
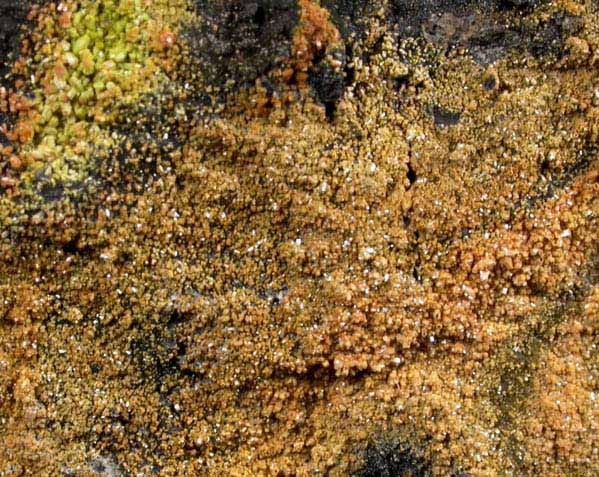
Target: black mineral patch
(241, 41)
(390, 457)
(488, 29)
(444, 117)
(349, 16)
(13, 15)
(328, 84)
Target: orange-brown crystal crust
(260, 284)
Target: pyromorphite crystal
(118, 53)
(93, 71)
(87, 62)
(81, 43)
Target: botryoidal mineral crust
(300, 238)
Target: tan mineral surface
(208, 271)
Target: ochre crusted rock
(311, 238)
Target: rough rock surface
(338, 238)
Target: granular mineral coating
(299, 238)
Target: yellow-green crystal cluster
(98, 55)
